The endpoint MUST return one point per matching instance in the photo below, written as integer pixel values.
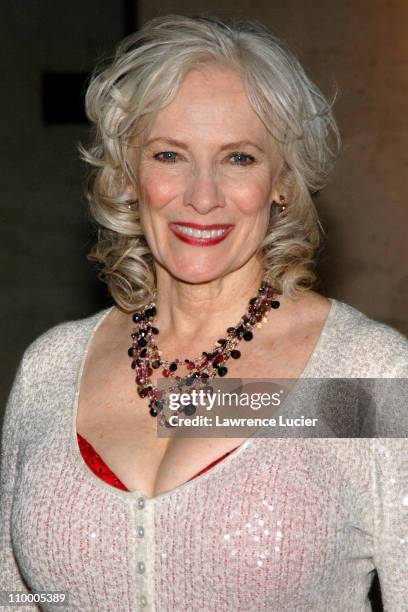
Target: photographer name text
(217, 421)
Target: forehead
(212, 103)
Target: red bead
(166, 373)
(190, 365)
(218, 359)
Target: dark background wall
(44, 228)
(360, 45)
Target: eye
(243, 159)
(166, 156)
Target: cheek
(253, 200)
(158, 188)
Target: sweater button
(140, 531)
(143, 601)
(141, 503)
(141, 567)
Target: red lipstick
(195, 240)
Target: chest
(116, 421)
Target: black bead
(253, 300)
(155, 331)
(222, 370)
(173, 367)
(130, 351)
(231, 330)
(134, 364)
(156, 364)
(239, 330)
(153, 412)
(138, 316)
(274, 304)
(150, 312)
(235, 354)
(248, 335)
(189, 380)
(142, 342)
(189, 410)
(156, 405)
(143, 352)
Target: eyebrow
(183, 145)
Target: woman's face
(206, 179)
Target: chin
(196, 275)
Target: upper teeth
(190, 231)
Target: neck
(192, 317)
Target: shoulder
(48, 369)
(62, 342)
(372, 348)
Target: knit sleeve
(10, 576)
(390, 491)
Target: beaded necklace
(146, 356)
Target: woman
(209, 140)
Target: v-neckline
(73, 441)
(87, 445)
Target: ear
(131, 191)
(283, 183)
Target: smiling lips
(200, 235)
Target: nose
(203, 193)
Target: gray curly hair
(122, 101)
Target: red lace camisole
(100, 469)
